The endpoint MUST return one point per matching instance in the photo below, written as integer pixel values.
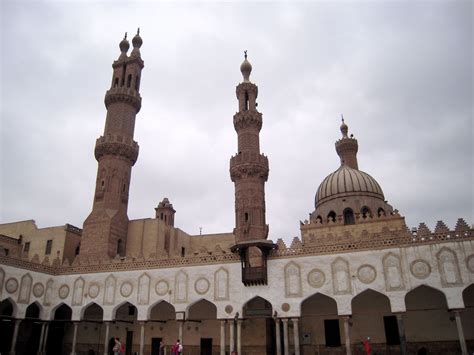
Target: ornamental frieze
(245, 119)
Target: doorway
(129, 343)
(206, 346)
(155, 345)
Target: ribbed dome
(347, 181)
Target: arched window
(137, 83)
(365, 211)
(348, 216)
(246, 103)
(78, 249)
(319, 220)
(129, 80)
(332, 216)
(116, 82)
(380, 212)
(246, 217)
(120, 247)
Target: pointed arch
(201, 309)
(61, 312)
(315, 301)
(468, 296)
(8, 308)
(92, 311)
(34, 310)
(161, 310)
(124, 311)
(25, 289)
(425, 297)
(257, 307)
(293, 287)
(370, 300)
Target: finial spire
(245, 54)
(125, 37)
(138, 31)
(246, 68)
(342, 117)
(343, 127)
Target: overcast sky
(400, 72)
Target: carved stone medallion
(228, 309)
(94, 290)
(11, 285)
(38, 289)
(285, 307)
(366, 274)
(162, 287)
(126, 289)
(202, 285)
(63, 291)
(470, 263)
(420, 269)
(316, 278)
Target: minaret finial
(138, 31)
(125, 37)
(245, 54)
(342, 117)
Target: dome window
(319, 220)
(348, 216)
(365, 211)
(332, 216)
(380, 212)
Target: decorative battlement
(117, 145)
(315, 222)
(73, 229)
(126, 95)
(246, 119)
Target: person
(177, 348)
(367, 346)
(161, 350)
(117, 347)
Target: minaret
(249, 172)
(347, 148)
(105, 229)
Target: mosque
(357, 273)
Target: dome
(246, 68)
(124, 45)
(346, 181)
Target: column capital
(284, 320)
(295, 320)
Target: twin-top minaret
(249, 172)
(105, 229)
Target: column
(231, 336)
(401, 334)
(239, 336)
(15, 336)
(142, 337)
(40, 345)
(277, 336)
(347, 334)
(106, 340)
(286, 343)
(462, 340)
(45, 341)
(74, 338)
(181, 324)
(222, 337)
(296, 335)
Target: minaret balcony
(116, 145)
(123, 95)
(247, 119)
(249, 164)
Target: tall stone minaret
(249, 172)
(105, 229)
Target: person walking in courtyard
(367, 346)
(177, 348)
(161, 350)
(117, 347)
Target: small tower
(165, 212)
(105, 229)
(249, 172)
(347, 148)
